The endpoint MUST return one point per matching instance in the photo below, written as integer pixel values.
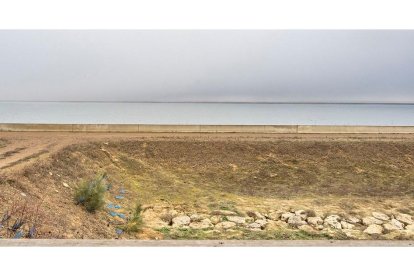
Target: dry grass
(282, 169)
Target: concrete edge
(204, 243)
(150, 128)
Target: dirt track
(23, 148)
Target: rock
(197, 217)
(302, 213)
(224, 213)
(65, 184)
(371, 220)
(347, 225)
(397, 224)
(390, 227)
(410, 228)
(261, 222)
(274, 216)
(286, 216)
(225, 225)
(315, 221)
(333, 222)
(203, 224)
(374, 229)
(255, 214)
(352, 219)
(276, 225)
(380, 216)
(255, 225)
(306, 228)
(249, 219)
(173, 212)
(215, 219)
(152, 219)
(181, 221)
(236, 219)
(404, 218)
(354, 234)
(296, 221)
(23, 194)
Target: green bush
(135, 223)
(91, 193)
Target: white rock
(390, 227)
(398, 224)
(172, 212)
(306, 228)
(353, 234)
(301, 213)
(203, 224)
(410, 228)
(23, 194)
(181, 221)
(353, 220)
(296, 221)
(65, 184)
(333, 222)
(254, 225)
(225, 225)
(276, 225)
(374, 229)
(286, 216)
(197, 217)
(261, 222)
(224, 213)
(249, 219)
(347, 225)
(404, 218)
(215, 219)
(315, 221)
(371, 220)
(274, 216)
(380, 216)
(236, 219)
(255, 215)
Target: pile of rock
(379, 223)
(376, 224)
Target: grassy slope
(200, 175)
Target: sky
(207, 66)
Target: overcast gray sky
(264, 66)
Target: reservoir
(207, 113)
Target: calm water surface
(207, 113)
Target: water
(207, 113)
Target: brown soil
(202, 172)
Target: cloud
(264, 66)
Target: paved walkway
(205, 243)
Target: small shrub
(20, 216)
(135, 222)
(91, 193)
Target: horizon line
(213, 102)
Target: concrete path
(205, 243)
